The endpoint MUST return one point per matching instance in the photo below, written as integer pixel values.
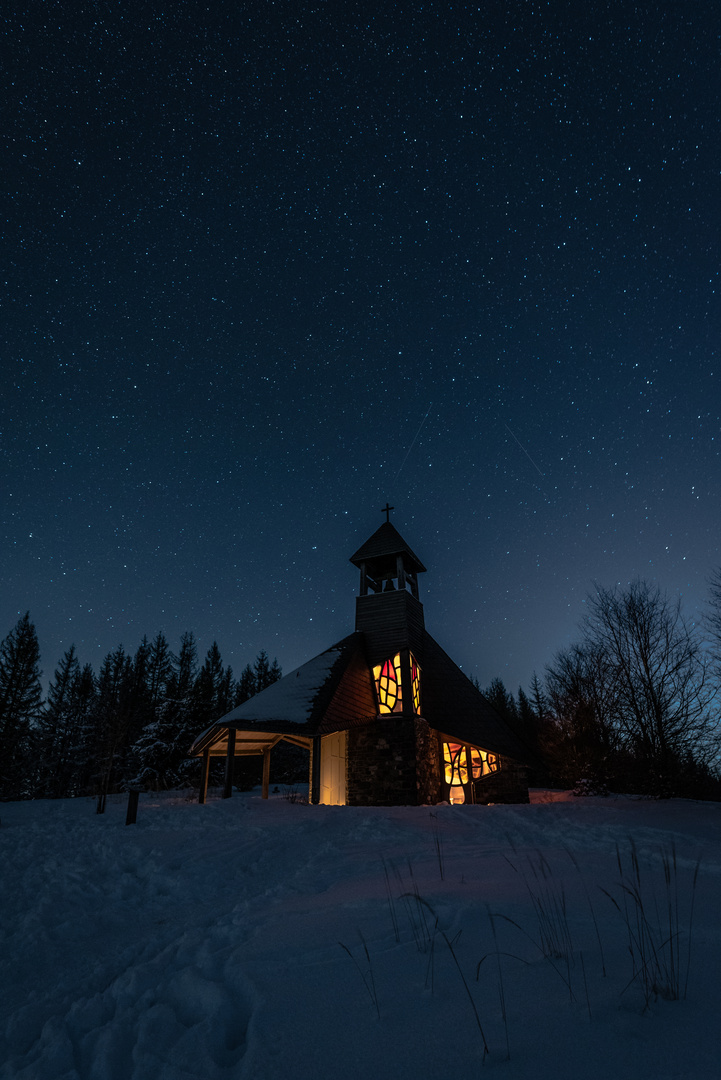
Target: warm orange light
(388, 685)
(416, 681)
(389, 691)
(456, 764)
(483, 762)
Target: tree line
(130, 724)
(633, 704)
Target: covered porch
(227, 742)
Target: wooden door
(333, 769)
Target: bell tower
(390, 616)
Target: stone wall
(428, 764)
(508, 785)
(393, 761)
(382, 763)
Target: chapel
(387, 717)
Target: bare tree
(713, 619)
(662, 695)
(579, 737)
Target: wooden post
(132, 815)
(204, 770)
(229, 763)
(266, 772)
(315, 771)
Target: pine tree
(265, 673)
(539, 703)
(225, 692)
(147, 757)
(139, 707)
(184, 668)
(261, 671)
(526, 715)
(206, 687)
(84, 753)
(112, 716)
(159, 669)
(193, 700)
(20, 696)
(245, 686)
(578, 740)
(275, 672)
(181, 721)
(502, 701)
(160, 753)
(57, 731)
(529, 727)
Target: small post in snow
(132, 814)
(266, 771)
(204, 770)
(229, 763)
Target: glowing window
(388, 685)
(416, 682)
(483, 762)
(455, 763)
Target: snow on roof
(291, 698)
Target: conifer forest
(130, 724)
(631, 706)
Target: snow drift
(255, 940)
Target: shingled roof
(457, 708)
(334, 691)
(386, 542)
(328, 693)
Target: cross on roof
(387, 510)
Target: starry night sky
(269, 265)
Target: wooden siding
(390, 621)
(354, 697)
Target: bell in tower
(386, 562)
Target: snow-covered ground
(213, 941)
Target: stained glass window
(388, 685)
(387, 677)
(416, 681)
(456, 763)
(483, 762)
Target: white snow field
(213, 941)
